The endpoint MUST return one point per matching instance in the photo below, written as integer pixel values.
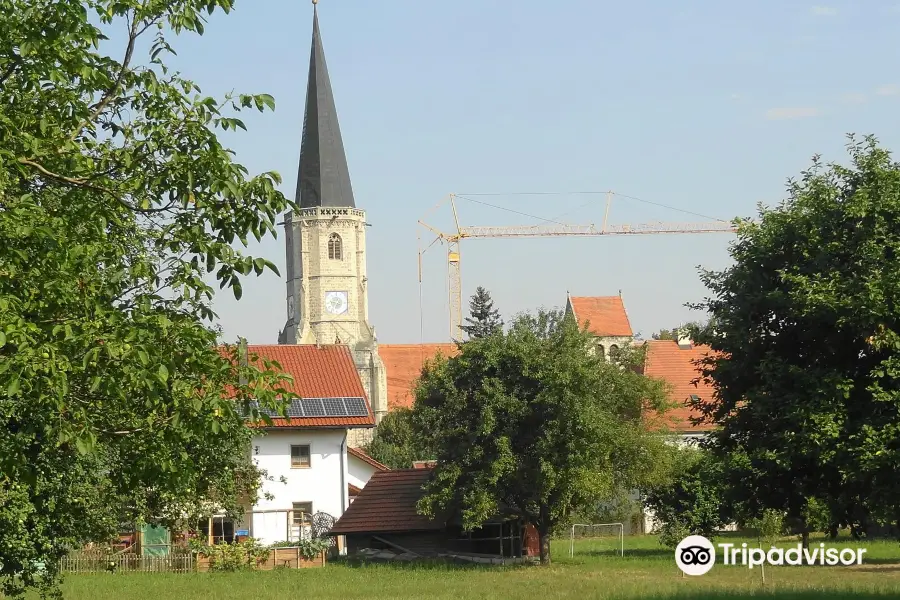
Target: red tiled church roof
(605, 314)
(388, 504)
(403, 363)
(318, 372)
(677, 366)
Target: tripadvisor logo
(696, 555)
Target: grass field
(646, 571)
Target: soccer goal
(599, 536)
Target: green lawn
(646, 571)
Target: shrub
(238, 556)
(695, 495)
(672, 532)
(309, 549)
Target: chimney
(684, 340)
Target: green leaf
(144, 357)
(83, 444)
(267, 100)
(13, 388)
(233, 188)
(163, 373)
(2, 339)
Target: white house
(309, 466)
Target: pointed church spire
(323, 178)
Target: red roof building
(677, 365)
(325, 372)
(604, 315)
(361, 455)
(403, 363)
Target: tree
(692, 329)
(533, 423)
(666, 334)
(694, 496)
(806, 350)
(485, 319)
(397, 442)
(769, 528)
(116, 200)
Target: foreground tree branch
(120, 402)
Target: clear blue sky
(707, 106)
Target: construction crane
(550, 228)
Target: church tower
(327, 299)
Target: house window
(299, 457)
(301, 523)
(601, 351)
(216, 530)
(335, 247)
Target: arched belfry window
(335, 247)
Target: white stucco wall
(359, 472)
(324, 483)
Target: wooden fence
(114, 563)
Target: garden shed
(384, 517)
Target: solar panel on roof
(295, 409)
(356, 407)
(312, 407)
(334, 407)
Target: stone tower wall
(311, 274)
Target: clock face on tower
(336, 302)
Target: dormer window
(335, 247)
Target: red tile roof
(387, 504)
(606, 315)
(318, 372)
(665, 360)
(367, 459)
(403, 363)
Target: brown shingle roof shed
(387, 504)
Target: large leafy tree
(483, 319)
(806, 360)
(116, 201)
(693, 497)
(531, 421)
(397, 442)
